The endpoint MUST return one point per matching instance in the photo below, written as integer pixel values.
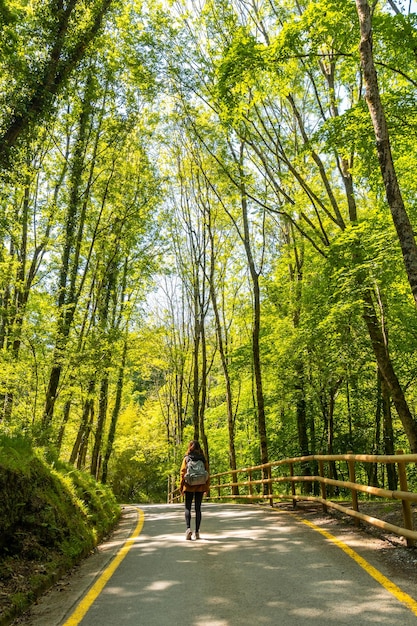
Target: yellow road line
(98, 586)
(370, 569)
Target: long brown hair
(194, 446)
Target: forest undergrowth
(51, 517)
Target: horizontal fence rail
(318, 481)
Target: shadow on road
(250, 567)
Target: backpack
(196, 473)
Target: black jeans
(198, 498)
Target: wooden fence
(278, 480)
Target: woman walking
(194, 482)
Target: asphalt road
(251, 567)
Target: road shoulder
(387, 553)
(59, 601)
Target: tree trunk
(82, 453)
(296, 281)
(203, 400)
(392, 189)
(115, 415)
(196, 365)
(105, 296)
(82, 430)
(388, 432)
(222, 343)
(373, 467)
(301, 415)
(101, 420)
(225, 368)
(256, 331)
(66, 296)
(387, 371)
(13, 316)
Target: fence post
(250, 483)
(352, 478)
(294, 501)
(218, 487)
(323, 489)
(407, 515)
(270, 492)
(235, 487)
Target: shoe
(188, 534)
(196, 535)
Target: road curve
(251, 567)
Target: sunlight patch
(206, 620)
(161, 585)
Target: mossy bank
(51, 516)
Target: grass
(51, 517)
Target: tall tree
(59, 34)
(394, 196)
(74, 225)
(222, 338)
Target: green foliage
(136, 180)
(242, 61)
(51, 516)
(139, 479)
(49, 509)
